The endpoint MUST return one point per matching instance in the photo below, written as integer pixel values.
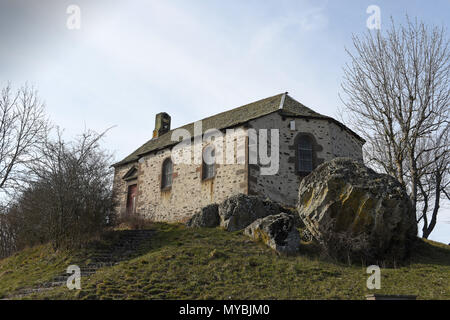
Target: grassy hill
(180, 263)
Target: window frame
(305, 155)
(301, 137)
(163, 182)
(206, 166)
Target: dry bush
(133, 222)
(68, 199)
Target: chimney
(162, 124)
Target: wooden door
(131, 199)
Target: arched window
(166, 177)
(305, 154)
(209, 161)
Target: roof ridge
(224, 112)
(283, 97)
(230, 118)
(315, 113)
(233, 109)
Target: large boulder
(277, 231)
(206, 217)
(240, 210)
(292, 211)
(354, 211)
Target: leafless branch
(396, 94)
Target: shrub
(132, 222)
(68, 199)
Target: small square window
(292, 125)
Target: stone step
(33, 290)
(99, 265)
(58, 283)
(125, 247)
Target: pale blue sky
(190, 58)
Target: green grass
(181, 263)
(31, 266)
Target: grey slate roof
(233, 118)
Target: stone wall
(121, 187)
(344, 144)
(330, 142)
(188, 191)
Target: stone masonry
(330, 142)
(189, 192)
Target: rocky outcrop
(206, 217)
(292, 211)
(351, 209)
(239, 211)
(277, 231)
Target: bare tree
(70, 197)
(7, 234)
(23, 126)
(396, 95)
(67, 200)
(434, 183)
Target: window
(167, 170)
(305, 154)
(292, 125)
(208, 165)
